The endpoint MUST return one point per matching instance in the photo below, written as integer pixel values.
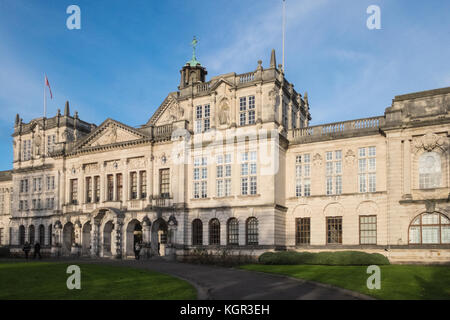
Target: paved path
(219, 283)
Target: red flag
(48, 85)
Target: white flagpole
(284, 28)
(45, 97)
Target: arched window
(233, 231)
(430, 228)
(197, 232)
(31, 234)
(214, 232)
(50, 235)
(41, 234)
(430, 170)
(251, 230)
(21, 235)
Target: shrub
(218, 257)
(338, 258)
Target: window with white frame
(334, 172)
(37, 184)
(24, 186)
(367, 167)
(50, 203)
(223, 175)
(200, 177)
(51, 141)
(26, 147)
(248, 173)
(247, 110)
(430, 170)
(303, 175)
(50, 183)
(202, 118)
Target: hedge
(338, 258)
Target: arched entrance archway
(133, 235)
(159, 237)
(107, 243)
(68, 237)
(86, 239)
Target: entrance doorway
(134, 235)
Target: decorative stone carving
(224, 113)
(317, 160)
(429, 142)
(37, 144)
(273, 97)
(137, 163)
(350, 157)
(175, 112)
(91, 168)
(67, 135)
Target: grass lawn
(397, 281)
(46, 280)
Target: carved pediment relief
(173, 112)
(430, 142)
(350, 157)
(111, 133)
(317, 160)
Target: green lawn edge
(398, 282)
(47, 281)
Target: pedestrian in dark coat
(37, 250)
(26, 248)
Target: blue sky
(127, 55)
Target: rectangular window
(247, 110)
(333, 171)
(202, 118)
(133, 185)
(26, 153)
(74, 191)
(334, 230)
(200, 177)
(303, 231)
(88, 190)
(302, 174)
(50, 183)
(143, 177)
(24, 186)
(368, 229)
(51, 142)
(164, 183)
(97, 189)
(367, 167)
(119, 187)
(110, 187)
(223, 175)
(248, 173)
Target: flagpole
(284, 29)
(45, 98)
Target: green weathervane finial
(194, 61)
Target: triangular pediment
(110, 132)
(221, 82)
(168, 112)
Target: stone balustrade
(366, 125)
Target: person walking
(137, 250)
(26, 248)
(37, 250)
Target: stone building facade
(232, 163)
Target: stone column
(407, 168)
(146, 237)
(116, 236)
(95, 238)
